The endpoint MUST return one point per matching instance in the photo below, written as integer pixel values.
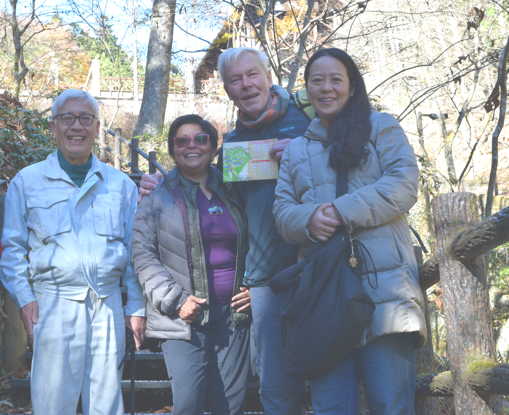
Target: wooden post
(466, 304)
(134, 164)
(117, 157)
(134, 156)
(152, 156)
(94, 86)
(102, 140)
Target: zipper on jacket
(196, 230)
(238, 222)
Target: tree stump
(466, 304)
(14, 339)
(12, 334)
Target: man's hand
(137, 325)
(278, 147)
(323, 223)
(30, 316)
(241, 301)
(191, 308)
(149, 182)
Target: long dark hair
(349, 132)
(206, 126)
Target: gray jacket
(168, 252)
(380, 193)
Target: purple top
(219, 236)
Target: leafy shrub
(24, 137)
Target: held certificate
(249, 160)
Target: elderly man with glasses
(67, 246)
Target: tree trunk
(14, 341)
(465, 291)
(20, 70)
(502, 85)
(157, 73)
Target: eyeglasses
(68, 119)
(201, 139)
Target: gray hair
(231, 55)
(61, 99)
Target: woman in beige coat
(382, 179)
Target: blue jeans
(280, 393)
(336, 392)
(387, 368)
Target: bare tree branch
(502, 82)
(422, 95)
(193, 34)
(423, 65)
(303, 35)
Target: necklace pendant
(215, 210)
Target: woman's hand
(331, 212)
(241, 301)
(324, 222)
(191, 308)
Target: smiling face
(328, 87)
(75, 141)
(191, 156)
(248, 83)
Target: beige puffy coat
(380, 193)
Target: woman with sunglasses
(189, 247)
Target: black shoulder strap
(341, 181)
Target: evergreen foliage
(105, 46)
(24, 137)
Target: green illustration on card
(235, 160)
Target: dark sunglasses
(201, 139)
(69, 119)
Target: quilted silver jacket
(380, 193)
(169, 255)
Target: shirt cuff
(25, 297)
(135, 308)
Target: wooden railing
(134, 153)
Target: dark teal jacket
(268, 253)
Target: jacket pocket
(48, 216)
(391, 286)
(109, 215)
(379, 250)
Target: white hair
(61, 99)
(231, 55)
